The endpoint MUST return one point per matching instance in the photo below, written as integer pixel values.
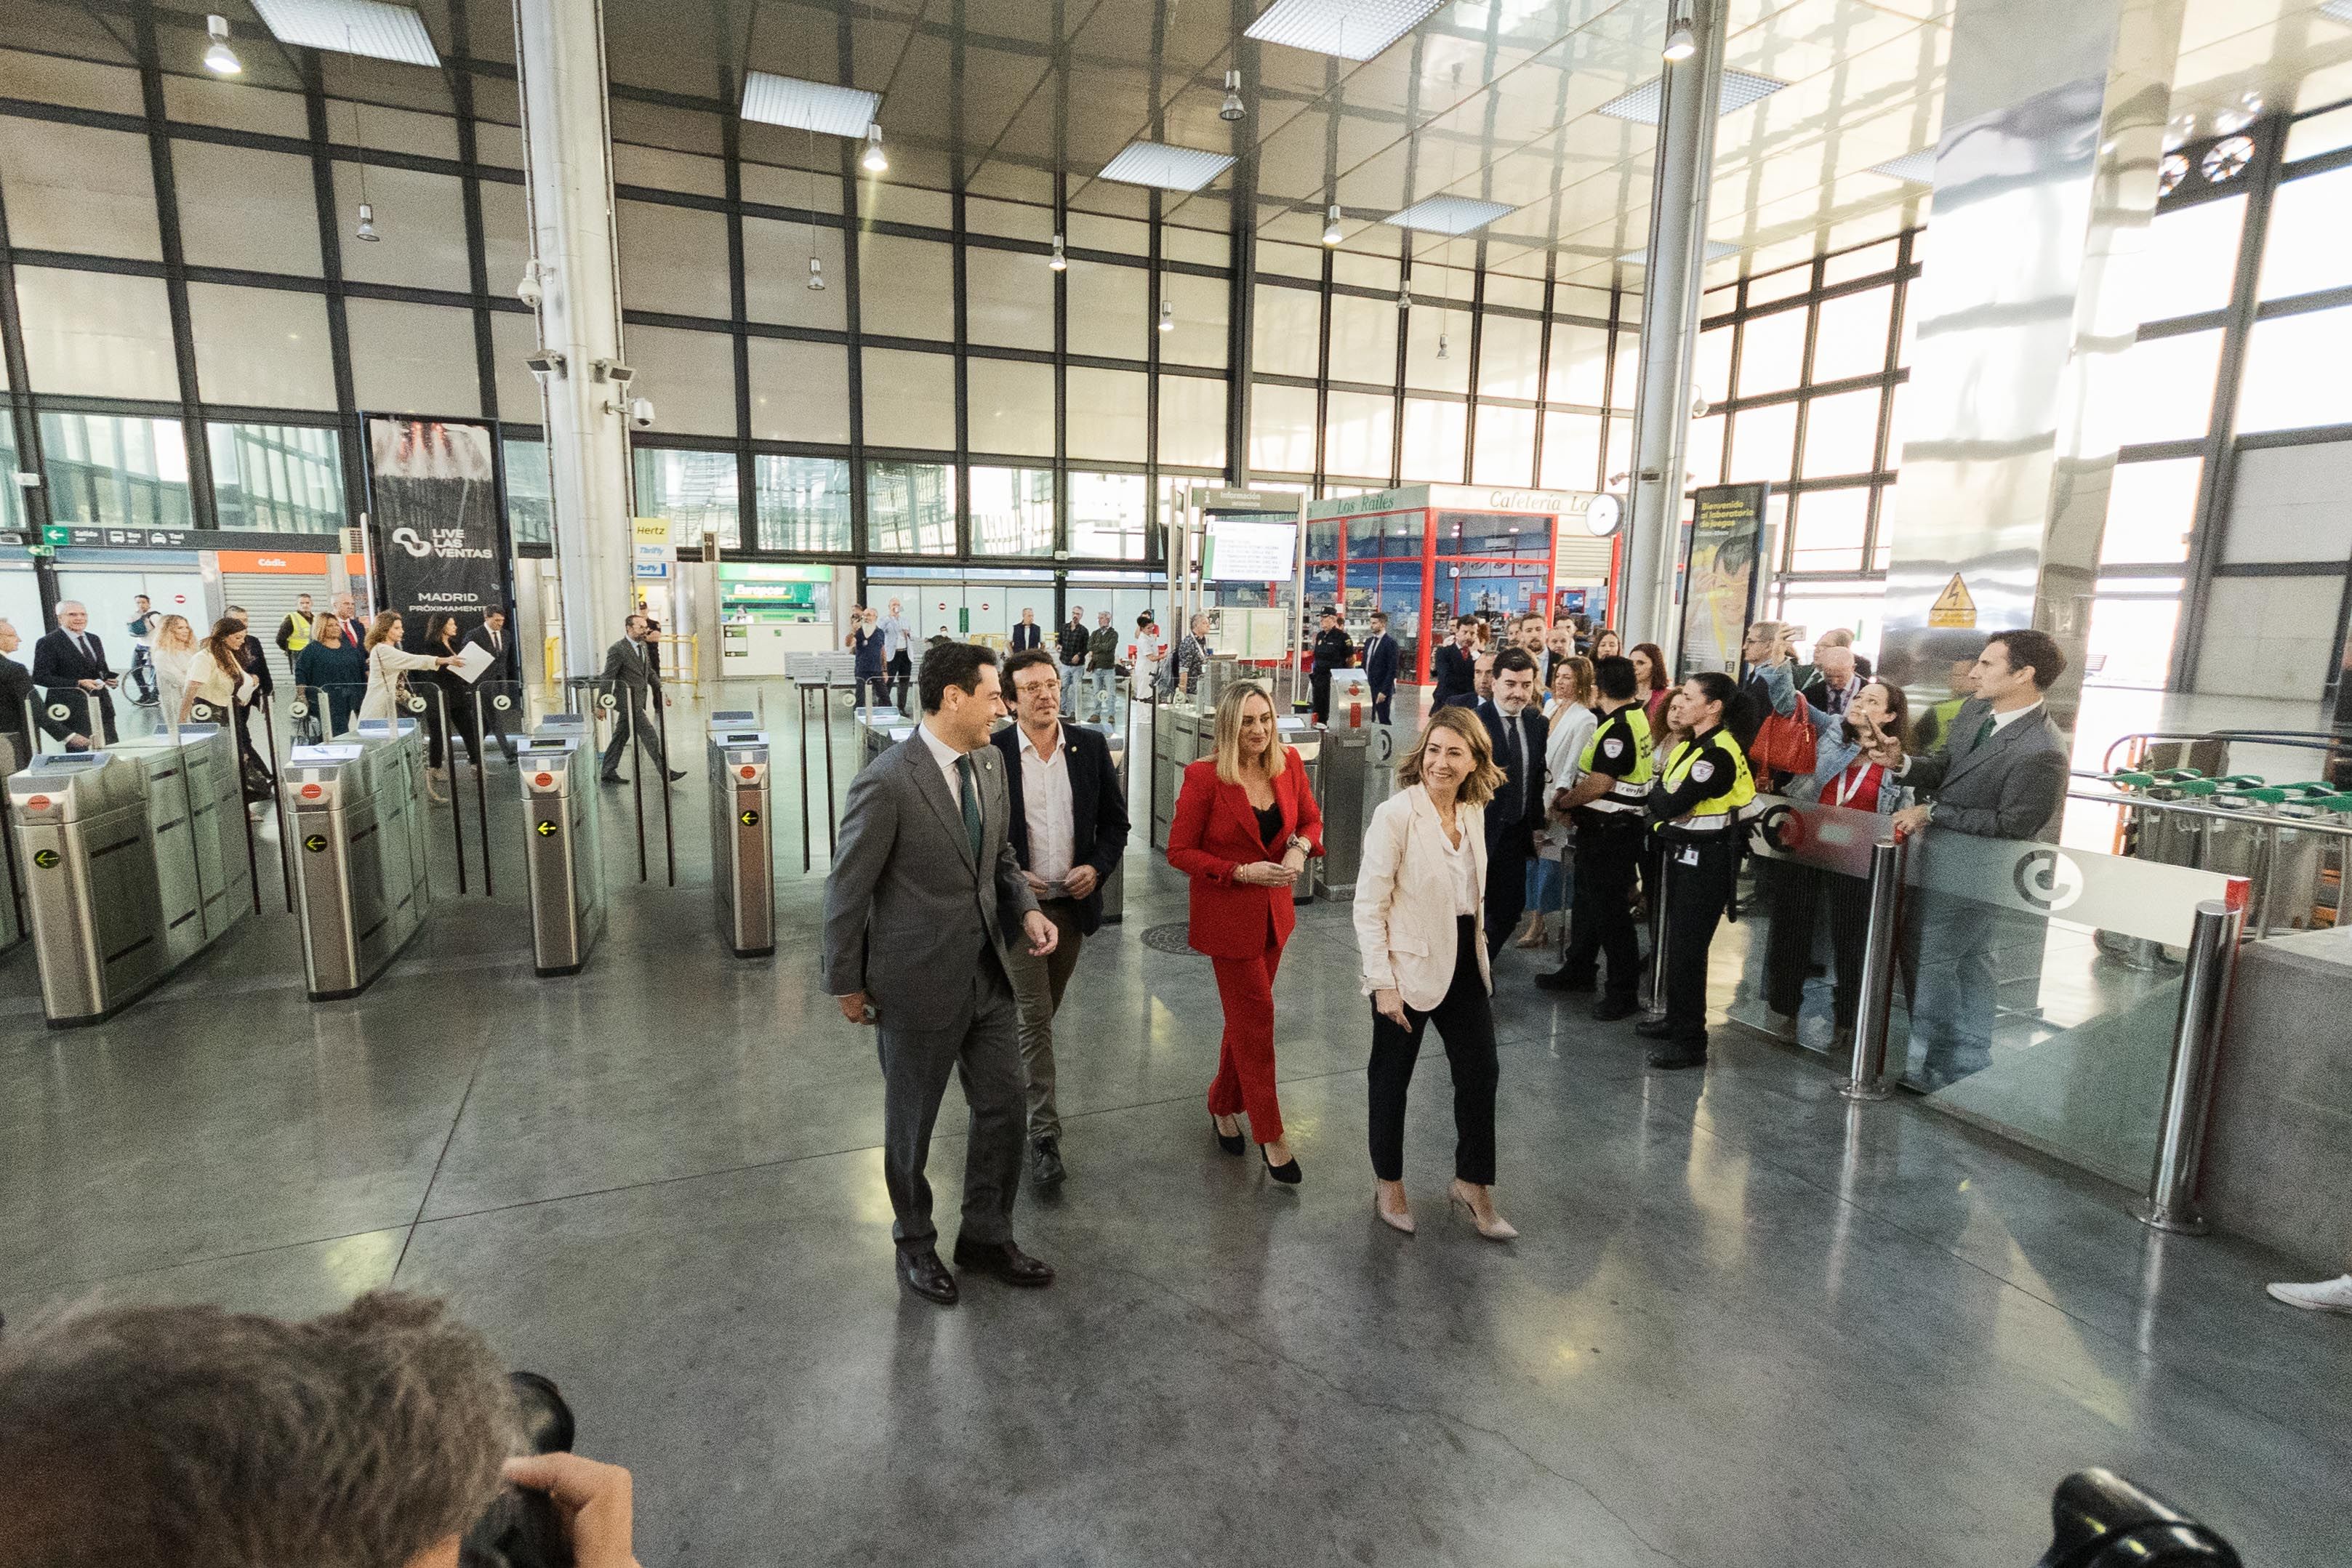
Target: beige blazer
(1404, 919)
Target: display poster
(433, 504)
(1243, 549)
(1721, 576)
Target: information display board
(1243, 549)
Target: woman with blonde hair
(1420, 928)
(174, 651)
(1246, 823)
(389, 666)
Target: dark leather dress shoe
(1651, 1029)
(1609, 1010)
(1003, 1260)
(923, 1273)
(1676, 1058)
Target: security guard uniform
(1332, 651)
(1607, 856)
(1698, 805)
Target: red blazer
(1216, 831)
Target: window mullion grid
(201, 510)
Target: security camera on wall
(641, 413)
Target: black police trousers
(1600, 917)
(1699, 877)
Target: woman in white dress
(389, 666)
(175, 648)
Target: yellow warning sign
(1954, 606)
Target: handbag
(1784, 742)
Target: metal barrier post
(825, 708)
(628, 716)
(449, 770)
(661, 736)
(1867, 1078)
(276, 800)
(2171, 1202)
(482, 792)
(1657, 1007)
(801, 690)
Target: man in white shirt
(1069, 828)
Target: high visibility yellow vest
(1718, 813)
(1631, 726)
(301, 637)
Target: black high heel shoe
(1229, 1142)
(1288, 1172)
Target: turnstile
(742, 855)
(1358, 772)
(356, 814)
(1182, 734)
(134, 862)
(1301, 736)
(563, 847)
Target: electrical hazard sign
(1953, 607)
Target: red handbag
(1784, 744)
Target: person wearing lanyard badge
(1694, 807)
(1848, 773)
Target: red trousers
(1245, 1080)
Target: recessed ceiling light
(1716, 251)
(1168, 168)
(1448, 215)
(816, 106)
(1918, 168)
(369, 27)
(1351, 29)
(1740, 88)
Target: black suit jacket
(505, 665)
(1508, 818)
(1453, 673)
(1026, 636)
(57, 664)
(1098, 824)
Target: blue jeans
(1956, 999)
(1548, 883)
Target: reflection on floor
(1746, 1323)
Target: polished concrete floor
(1746, 1323)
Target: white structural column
(1689, 92)
(560, 53)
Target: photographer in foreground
(376, 1437)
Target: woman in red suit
(1245, 824)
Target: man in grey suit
(2001, 774)
(924, 887)
(632, 674)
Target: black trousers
(630, 720)
(1798, 893)
(1699, 878)
(1507, 883)
(1466, 1022)
(902, 670)
(1318, 685)
(1601, 919)
(1381, 706)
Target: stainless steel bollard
(2171, 1201)
(1658, 897)
(1867, 1078)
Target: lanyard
(1849, 783)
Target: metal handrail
(2262, 818)
(2309, 739)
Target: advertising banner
(1721, 576)
(434, 503)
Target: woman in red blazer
(1245, 824)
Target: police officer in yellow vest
(1696, 805)
(1607, 801)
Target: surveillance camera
(641, 413)
(613, 370)
(546, 362)
(529, 291)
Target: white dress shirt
(1461, 870)
(1045, 805)
(946, 756)
(2001, 721)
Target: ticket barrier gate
(1301, 735)
(357, 817)
(133, 863)
(742, 852)
(562, 846)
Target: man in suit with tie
(925, 893)
(1027, 633)
(1518, 734)
(2001, 775)
(632, 674)
(504, 670)
(71, 663)
(1454, 668)
(354, 624)
(1069, 829)
(1380, 666)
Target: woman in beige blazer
(1422, 929)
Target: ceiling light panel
(1351, 29)
(1918, 168)
(1448, 215)
(1167, 168)
(815, 106)
(1740, 88)
(369, 27)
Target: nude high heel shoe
(1462, 1196)
(1394, 1218)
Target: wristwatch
(1300, 843)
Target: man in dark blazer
(924, 895)
(2001, 775)
(1454, 668)
(501, 677)
(1069, 829)
(71, 663)
(1515, 728)
(1026, 633)
(632, 674)
(1380, 666)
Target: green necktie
(970, 799)
(1984, 732)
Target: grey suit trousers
(986, 1056)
